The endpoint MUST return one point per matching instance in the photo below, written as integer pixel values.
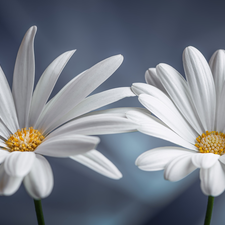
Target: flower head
(29, 122)
(189, 113)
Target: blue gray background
(145, 33)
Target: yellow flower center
(211, 142)
(24, 140)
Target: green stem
(39, 213)
(209, 210)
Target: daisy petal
(18, 164)
(65, 146)
(99, 163)
(204, 161)
(158, 158)
(176, 87)
(96, 124)
(152, 126)
(178, 125)
(220, 122)
(3, 155)
(213, 179)
(94, 102)
(45, 85)
(179, 168)
(23, 77)
(39, 181)
(77, 89)
(7, 107)
(8, 184)
(151, 77)
(201, 84)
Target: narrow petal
(39, 181)
(204, 161)
(158, 158)
(94, 102)
(7, 106)
(179, 168)
(99, 163)
(23, 77)
(151, 77)
(213, 179)
(96, 124)
(170, 116)
(222, 159)
(76, 90)
(46, 84)
(201, 84)
(3, 155)
(8, 184)
(18, 164)
(176, 87)
(65, 146)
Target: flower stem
(39, 213)
(209, 210)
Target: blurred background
(145, 33)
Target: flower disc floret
(24, 140)
(211, 142)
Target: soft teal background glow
(145, 33)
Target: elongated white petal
(201, 84)
(3, 155)
(170, 116)
(7, 107)
(94, 102)
(39, 181)
(152, 126)
(179, 168)
(77, 89)
(176, 87)
(8, 184)
(99, 163)
(23, 77)
(46, 84)
(4, 131)
(220, 122)
(222, 159)
(65, 146)
(213, 179)
(151, 77)
(96, 124)
(158, 158)
(204, 161)
(18, 164)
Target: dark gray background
(145, 33)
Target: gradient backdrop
(145, 33)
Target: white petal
(152, 126)
(179, 168)
(99, 163)
(94, 102)
(39, 181)
(152, 78)
(7, 106)
(65, 146)
(8, 184)
(3, 155)
(46, 84)
(96, 124)
(158, 158)
(213, 179)
(204, 161)
(18, 164)
(77, 89)
(23, 77)
(220, 122)
(176, 87)
(222, 159)
(201, 84)
(170, 116)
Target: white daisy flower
(28, 122)
(189, 113)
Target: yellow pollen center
(211, 142)
(24, 140)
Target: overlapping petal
(205, 161)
